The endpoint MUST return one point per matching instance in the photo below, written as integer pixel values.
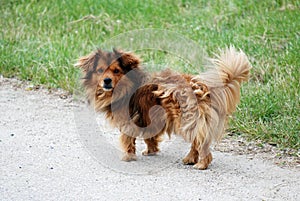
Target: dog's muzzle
(107, 84)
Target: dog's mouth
(107, 88)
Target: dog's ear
(127, 60)
(87, 62)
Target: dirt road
(46, 155)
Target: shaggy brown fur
(144, 105)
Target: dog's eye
(116, 71)
(100, 70)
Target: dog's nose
(107, 81)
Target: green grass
(41, 40)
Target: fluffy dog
(148, 105)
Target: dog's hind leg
(152, 145)
(205, 157)
(128, 146)
(193, 155)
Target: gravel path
(48, 153)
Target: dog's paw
(150, 152)
(204, 163)
(189, 160)
(129, 157)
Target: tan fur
(139, 104)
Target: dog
(141, 104)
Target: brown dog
(145, 105)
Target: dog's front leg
(152, 145)
(128, 146)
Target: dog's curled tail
(233, 68)
(230, 69)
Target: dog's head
(109, 76)
(104, 70)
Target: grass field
(41, 40)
